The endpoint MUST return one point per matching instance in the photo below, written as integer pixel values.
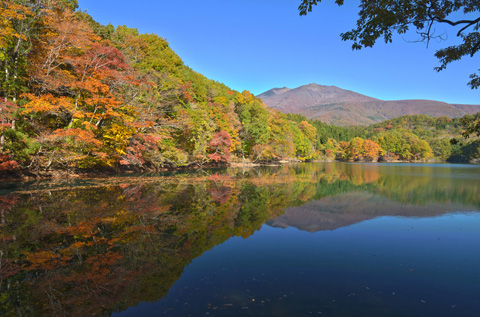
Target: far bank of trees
(406, 138)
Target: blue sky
(257, 45)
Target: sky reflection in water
(329, 239)
(388, 266)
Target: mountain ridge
(334, 105)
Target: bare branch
(454, 23)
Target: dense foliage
(437, 132)
(406, 138)
(79, 95)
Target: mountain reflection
(342, 210)
(100, 246)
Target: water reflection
(102, 246)
(342, 210)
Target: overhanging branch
(468, 23)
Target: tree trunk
(7, 75)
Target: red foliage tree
(219, 147)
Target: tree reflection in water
(113, 243)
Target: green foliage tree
(442, 148)
(471, 124)
(254, 118)
(469, 152)
(281, 138)
(303, 146)
(405, 145)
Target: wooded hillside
(79, 95)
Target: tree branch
(475, 49)
(452, 23)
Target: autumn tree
(403, 144)
(354, 150)
(254, 118)
(330, 148)
(76, 81)
(359, 149)
(309, 130)
(219, 147)
(77, 94)
(371, 150)
(281, 138)
(16, 24)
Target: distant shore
(28, 175)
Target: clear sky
(257, 45)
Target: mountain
(342, 107)
(275, 91)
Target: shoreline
(26, 175)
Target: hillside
(342, 107)
(80, 96)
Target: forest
(406, 138)
(80, 96)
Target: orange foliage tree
(359, 149)
(76, 79)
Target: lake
(329, 239)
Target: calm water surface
(330, 239)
